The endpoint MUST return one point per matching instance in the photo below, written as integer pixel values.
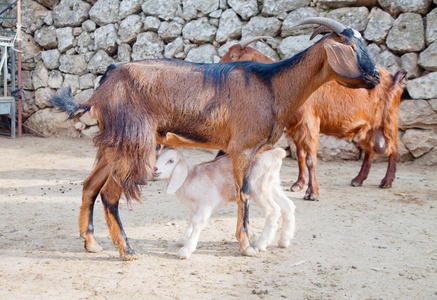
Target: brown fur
(142, 103)
(364, 115)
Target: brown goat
(369, 116)
(239, 107)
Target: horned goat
(368, 116)
(239, 107)
(208, 186)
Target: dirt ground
(355, 243)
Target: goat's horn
(319, 30)
(249, 40)
(335, 26)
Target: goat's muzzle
(372, 79)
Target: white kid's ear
(180, 173)
(342, 60)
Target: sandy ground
(355, 243)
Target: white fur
(206, 187)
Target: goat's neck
(296, 82)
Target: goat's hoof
(356, 183)
(262, 247)
(296, 188)
(283, 244)
(184, 253)
(311, 197)
(128, 256)
(93, 248)
(385, 186)
(250, 251)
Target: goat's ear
(178, 176)
(342, 60)
(399, 77)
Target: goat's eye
(170, 161)
(233, 57)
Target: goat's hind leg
(364, 171)
(91, 188)
(288, 219)
(111, 193)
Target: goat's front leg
(91, 188)
(187, 233)
(110, 194)
(391, 171)
(312, 192)
(298, 185)
(241, 167)
(365, 169)
(198, 222)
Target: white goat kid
(205, 187)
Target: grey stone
(65, 38)
(129, 7)
(433, 103)
(419, 141)
(84, 96)
(31, 13)
(29, 47)
(344, 3)
(395, 7)
(229, 27)
(416, 114)
(407, 34)
(261, 26)
(86, 119)
(244, 8)
(296, 16)
(70, 13)
(105, 12)
(72, 64)
(86, 81)
(216, 14)
(292, 45)
(55, 79)
(354, 17)
(276, 7)
(428, 58)
(171, 49)
(331, 149)
(51, 58)
(265, 49)
(194, 8)
(431, 26)
(85, 42)
(409, 63)
(124, 53)
(49, 3)
(42, 97)
(424, 87)
(169, 30)
(148, 45)
(130, 27)
(379, 25)
(163, 9)
(105, 38)
(429, 159)
(199, 31)
(388, 60)
(90, 132)
(89, 25)
(26, 80)
(151, 23)
(46, 37)
(40, 76)
(51, 122)
(374, 49)
(100, 62)
(47, 18)
(28, 107)
(202, 54)
(73, 82)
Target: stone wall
(71, 42)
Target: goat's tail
(65, 101)
(128, 137)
